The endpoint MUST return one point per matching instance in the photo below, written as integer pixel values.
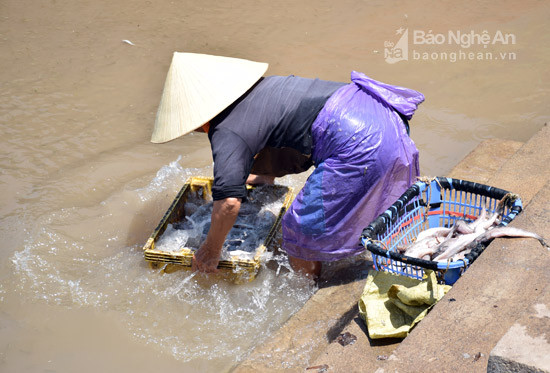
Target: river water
(82, 187)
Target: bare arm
(224, 214)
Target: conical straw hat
(198, 87)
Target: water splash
(256, 217)
(79, 257)
(166, 177)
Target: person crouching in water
(354, 134)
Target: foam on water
(78, 257)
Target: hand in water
(206, 259)
(224, 214)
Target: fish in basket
(184, 226)
(442, 224)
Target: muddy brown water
(82, 187)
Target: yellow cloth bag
(392, 304)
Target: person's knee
(260, 179)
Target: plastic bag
(364, 161)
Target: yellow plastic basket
(241, 270)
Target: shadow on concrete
(344, 320)
(344, 273)
(375, 342)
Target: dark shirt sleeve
(232, 164)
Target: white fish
(507, 232)
(127, 42)
(490, 234)
(461, 255)
(487, 224)
(454, 245)
(433, 232)
(463, 228)
(424, 247)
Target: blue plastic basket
(436, 203)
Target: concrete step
(529, 169)
(499, 287)
(485, 160)
(526, 345)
